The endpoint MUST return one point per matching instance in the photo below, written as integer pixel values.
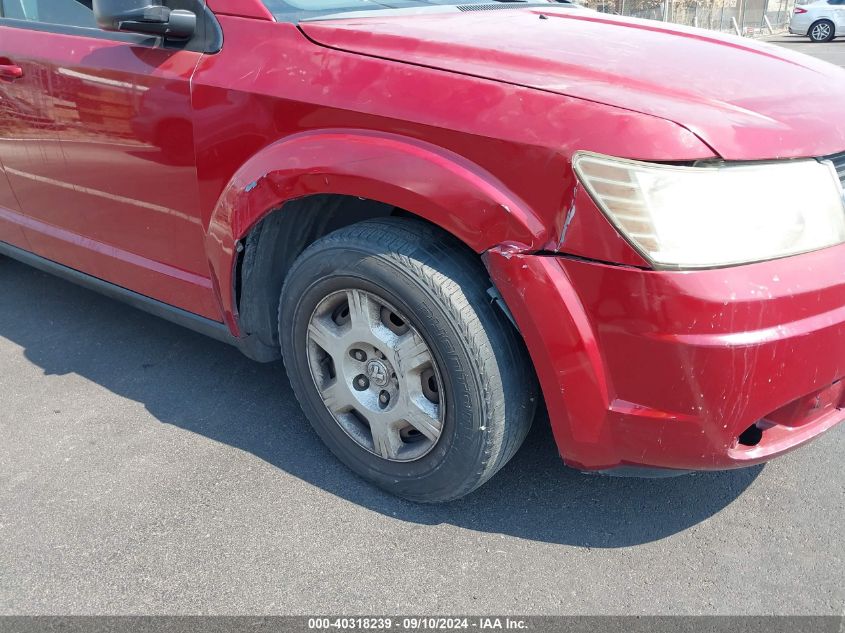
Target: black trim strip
(213, 329)
(208, 39)
(250, 346)
(80, 31)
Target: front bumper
(709, 369)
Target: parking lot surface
(833, 52)
(146, 469)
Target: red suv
(442, 215)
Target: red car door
(102, 162)
(10, 231)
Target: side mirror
(145, 16)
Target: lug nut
(361, 382)
(358, 354)
(384, 398)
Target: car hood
(747, 100)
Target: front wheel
(822, 31)
(399, 360)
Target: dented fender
(435, 184)
(562, 345)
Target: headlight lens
(698, 217)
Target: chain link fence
(744, 17)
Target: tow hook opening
(752, 435)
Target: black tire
(441, 288)
(816, 36)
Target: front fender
(564, 351)
(431, 182)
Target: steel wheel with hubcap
(401, 363)
(376, 375)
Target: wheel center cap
(377, 371)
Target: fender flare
(564, 351)
(431, 182)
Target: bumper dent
(668, 369)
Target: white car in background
(821, 21)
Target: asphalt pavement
(833, 52)
(146, 469)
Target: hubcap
(376, 375)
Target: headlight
(696, 217)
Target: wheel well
(272, 245)
(819, 21)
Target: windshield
(303, 9)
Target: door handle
(10, 71)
